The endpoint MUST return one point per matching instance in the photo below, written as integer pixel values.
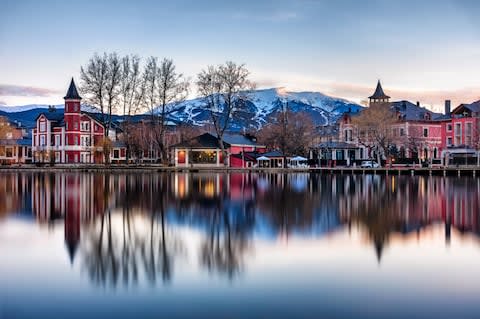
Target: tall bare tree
(132, 91)
(289, 132)
(374, 126)
(224, 88)
(100, 85)
(172, 90)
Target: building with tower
(73, 136)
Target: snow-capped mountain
(262, 104)
(259, 107)
(23, 108)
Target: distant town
(383, 133)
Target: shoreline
(121, 168)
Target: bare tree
(374, 127)
(100, 81)
(224, 87)
(132, 91)
(289, 132)
(172, 90)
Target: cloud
(3, 103)
(20, 90)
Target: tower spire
(72, 93)
(379, 96)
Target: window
(57, 140)
(348, 136)
(84, 126)
(116, 153)
(458, 133)
(42, 127)
(449, 127)
(42, 140)
(425, 132)
(9, 152)
(203, 157)
(402, 132)
(75, 125)
(449, 141)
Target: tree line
(130, 85)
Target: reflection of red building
(74, 197)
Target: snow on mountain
(259, 107)
(262, 104)
(22, 108)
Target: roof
(412, 112)
(206, 140)
(11, 142)
(238, 139)
(271, 154)
(472, 107)
(336, 145)
(53, 116)
(72, 93)
(379, 94)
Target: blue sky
(421, 50)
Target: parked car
(369, 164)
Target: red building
(73, 136)
(205, 151)
(461, 135)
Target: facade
(461, 135)
(205, 151)
(15, 145)
(417, 134)
(73, 136)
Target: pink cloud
(20, 90)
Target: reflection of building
(404, 204)
(204, 150)
(73, 197)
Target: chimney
(418, 104)
(447, 107)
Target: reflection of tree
(227, 242)
(123, 248)
(224, 248)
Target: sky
(425, 51)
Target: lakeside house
(418, 134)
(205, 151)
(73, 136)
(15, 143)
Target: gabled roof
(472, 107)
(72, 93)
(238, 139)
(379, 94)
(411, 112)
(53, 116)
(209, 140)
(206, 140)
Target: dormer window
(42, 127)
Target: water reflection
(126, 228)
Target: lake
(238, 245)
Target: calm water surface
(81, 245)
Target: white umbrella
(298, 159)
(263, 158)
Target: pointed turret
(72, 93)
(379, 96)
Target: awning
(263, 158)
